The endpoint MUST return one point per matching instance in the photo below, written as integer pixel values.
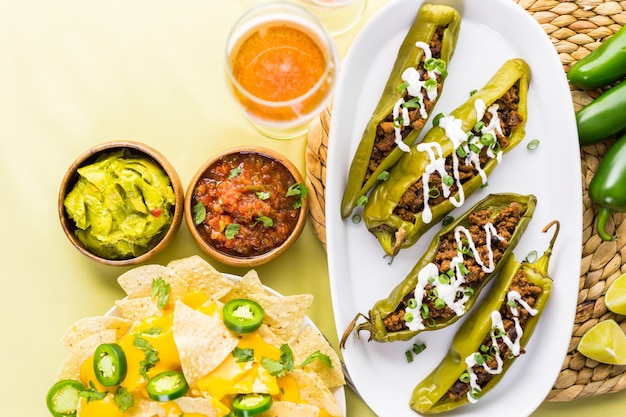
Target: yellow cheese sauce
(221, 385)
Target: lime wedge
(615, 297)
(605, 342)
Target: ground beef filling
(412, 201)
(505, 222)
(384, 142)
(529, 293)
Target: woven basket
(576, 28)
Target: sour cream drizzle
(415, 84)
(513, 298)
(453, 129)
(450, 284)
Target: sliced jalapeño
(248, 405)
(63, 397)
(109, 364)
(243, 315)
(167, 386)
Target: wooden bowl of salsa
(121, 203)
(246, 206)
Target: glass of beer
(338, 16)
(281, 66)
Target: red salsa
(246, 204)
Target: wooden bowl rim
(70, 177)
(255, 260)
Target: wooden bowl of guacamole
(121, 203)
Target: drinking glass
(338, 16)
(281, 66)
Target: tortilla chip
(313, 391)
(289, 409)
(201, 276)
(203, 341)
(82, 351)
(137, 282)
(198, 405)
(137, 309)
(142, 408)
(89, 325)
(285, 315)
(310, 341)
(250, 286)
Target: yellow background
(74, 73)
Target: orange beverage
(281, 66)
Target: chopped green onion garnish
(434, 192)
(447, 220)
(469, 291)
(383, 176)
(430, 64)
(430, 84)
(425, 311)
(474, 148)
(417, 349)
(465, 377)
(511, 304)
(484, 348)
(444, 279)
(473, 92)
(460, 151)
(476, 393)
(479, 126)
(478, 358)
(412, 303)
(413, 103)
(487, 139)
(361, 201)
(408, 317)
(437, 118)
(409, 356)
(439, 304)
(531, 257)
(398, 122)
(402, 86)
(533, 144)
(356, 219)
(448, 180)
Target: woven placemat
(575, 28)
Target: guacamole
(122, 205)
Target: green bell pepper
(603, 117)
(460, 139)
(603, 66)
(456, 268)
(437, 26)
(607, 188)
(481, 338)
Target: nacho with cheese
(189, 341)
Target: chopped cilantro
(279, 368)
(199, 212)
(263, 195)
(317, 355)
(231, 230)
(161, 290)
(243, 355)
(92, 394)
(123, 399)
(300, 191)
(234, 173)
(152, 355)
(267, 222)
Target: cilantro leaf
(231, 230)
(243, 355)
(267, 222)
(92, 394)
(199, 212)
(123, 399)
(234, 173)
(152, 355)
(263, 195)
(317, 355)
(300, 191)
(161, 290)
(279, 368)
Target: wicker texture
(576, 28)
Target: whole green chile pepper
(603, 66)
(430, 396)
(607, 188)
(393, 231)
(603, 117)
(374, 323)
(428, 20)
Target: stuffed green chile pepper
(411, 92)
(446, 282)
(491, 338)
(454, 160)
